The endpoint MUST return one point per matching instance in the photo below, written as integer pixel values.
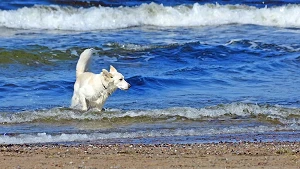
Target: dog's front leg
(83, 103)
(99, 104)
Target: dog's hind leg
(75, 100)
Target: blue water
(200, 72)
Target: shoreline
(206, 155)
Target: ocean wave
(276, 114)
(97, 18)
(167, 134)
(34, 55)
(38, 54)
(243, 43)
(42, 55)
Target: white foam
(238, 109)
(95, 18)
(48, 138)
(131, 47)
(284, 115)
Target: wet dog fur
(92, 90)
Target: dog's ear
(107, 74)
(112, 69)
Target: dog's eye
(121, 79)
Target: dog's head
(113, 76)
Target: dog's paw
(84, 108)
(97, 110)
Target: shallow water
(196, 75)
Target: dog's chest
(96, 94)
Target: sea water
(200, 72)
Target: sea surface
(201, 72)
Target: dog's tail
(84, 61)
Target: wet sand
(218, 155)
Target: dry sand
(219, 155)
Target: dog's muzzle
(128, 87)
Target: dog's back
(83, 62)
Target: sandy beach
(218, 155)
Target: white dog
(92, 90)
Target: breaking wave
(102, 137)
(135, 124)
(97, 18)
(234, 110)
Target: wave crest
(97, 18)
(233, 110)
